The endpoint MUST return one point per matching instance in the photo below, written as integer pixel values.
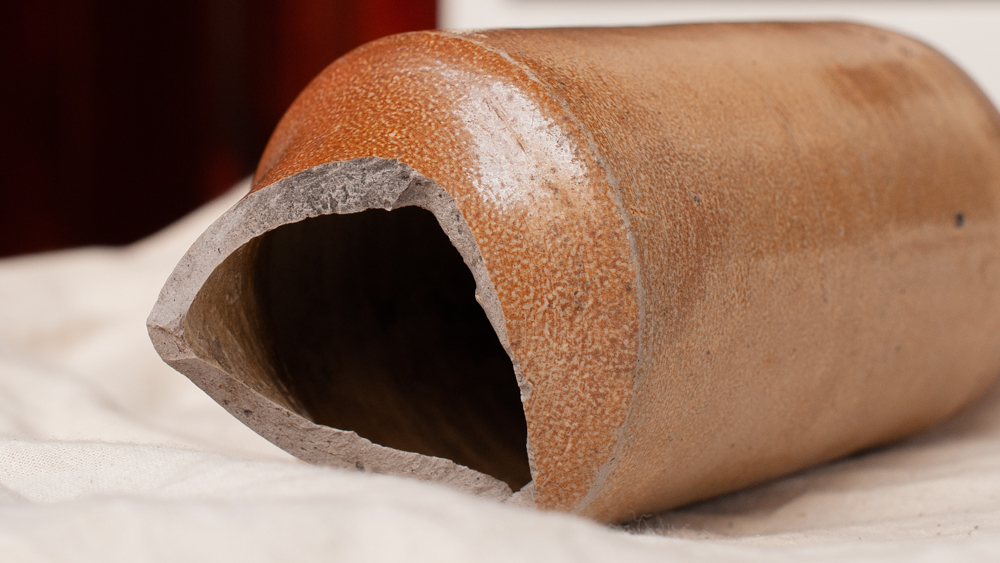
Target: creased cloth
(106, 454)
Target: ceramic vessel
(623, 270)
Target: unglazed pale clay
(701, 256)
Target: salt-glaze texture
(715, 253)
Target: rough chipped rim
(337, 187)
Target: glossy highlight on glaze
(714, 254)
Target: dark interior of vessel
(374, 327)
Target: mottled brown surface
(537, 200)
(795, 194)
(722, 252)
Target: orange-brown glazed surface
(723, 252)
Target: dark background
(117, 117)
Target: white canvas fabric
(106, 454)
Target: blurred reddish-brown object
(118, 117)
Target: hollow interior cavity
(373, 327)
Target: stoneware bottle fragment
(605, 271)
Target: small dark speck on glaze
(959, 220)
